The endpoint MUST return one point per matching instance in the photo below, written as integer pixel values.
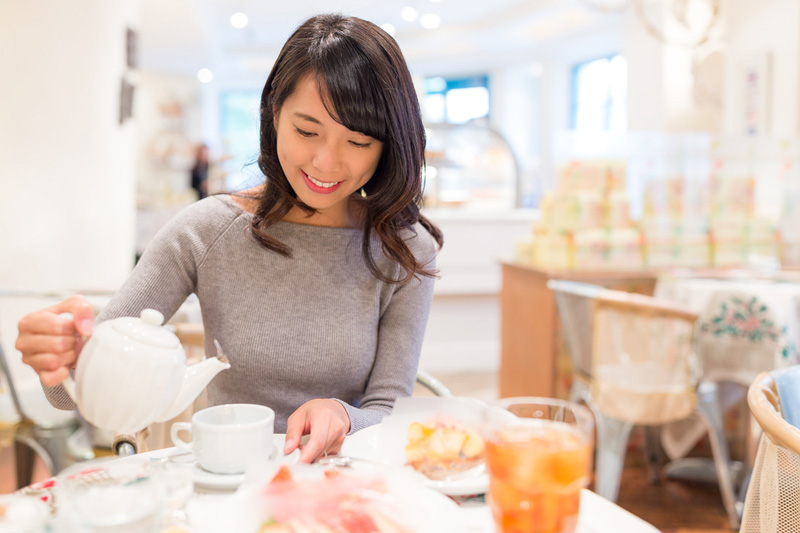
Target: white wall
(770, 26)
(463, 333)
(66, 165)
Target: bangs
(351, 90)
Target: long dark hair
(366, 86)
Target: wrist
(343, 413)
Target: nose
(326, 157)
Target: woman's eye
(360, 145)
(304, 133)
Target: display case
(471, 166)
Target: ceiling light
(388, 28)
(430, 21)
(239, 20)
(409, 14)
(205, 75)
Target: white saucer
(206, 479)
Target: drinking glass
(118, 498)
(176, 479)
(539, 456)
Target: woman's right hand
(50, 341)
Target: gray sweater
(316, 325)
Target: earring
(363, 193)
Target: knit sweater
(315, 325)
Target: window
(456, 101)
(239, 127)
(599, 93)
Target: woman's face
(324, 161)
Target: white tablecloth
(597, 514)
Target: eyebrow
(307, 117)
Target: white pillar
(67, 191)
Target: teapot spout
(195, 379)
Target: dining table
(471, 512)
(747, 324)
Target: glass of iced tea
(539, 454)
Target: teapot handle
(69, 382)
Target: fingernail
(288, 446)
(86, 326)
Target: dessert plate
(422, 509)
(384, 443)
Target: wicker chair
(634, 363)
(772, 504)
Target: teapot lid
(146, 329)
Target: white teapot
(132, 372)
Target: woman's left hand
(327, 423)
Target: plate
(365, 444)
(204, 478)
(229, 482)
(423, 509)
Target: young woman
(318, 283)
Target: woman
(198, 176)
(318, 283)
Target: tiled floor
(673, 507)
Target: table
(596, 512)
(746, 326)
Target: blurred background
(627, 134)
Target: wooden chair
(772, 504)
(635, 364)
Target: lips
(321, 187)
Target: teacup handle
(179, 443)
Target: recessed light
(205, 75)
(239, 20)
(430, 21)
(388, 28)
(409, 14)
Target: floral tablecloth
(745, 327)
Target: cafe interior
(618, 186)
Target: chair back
(772, 503)
(574, 302)
(637, 350)
(644, 364)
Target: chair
(772, 504)
(635, 364)
(49, 440)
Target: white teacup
(225, 438)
